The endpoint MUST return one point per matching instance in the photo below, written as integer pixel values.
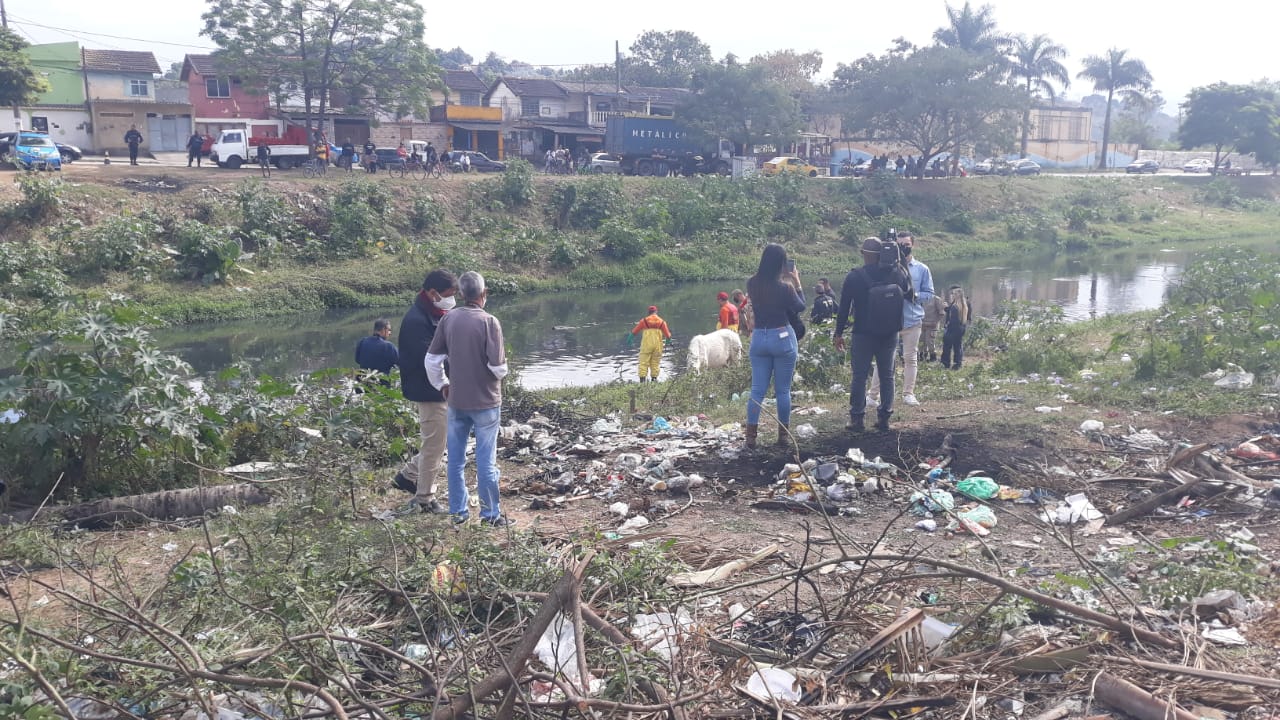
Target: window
(40, 124)
(1076, 131)
(217, 87)
(529, 106)
(469, 98)
(138, 88)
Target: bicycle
(315, 167)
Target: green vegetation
(272, 249)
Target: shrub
(1219, 192)
(41, 196)
(358, 218)
(119, 243)
(103, 409)
(515, 187)
(522, 248)
(624, 241)
(265, 222)
(426, 214)
(205, 253)
(570, 251)
(959, 222)
(586, 204)
(29, 270)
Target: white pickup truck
(233, 148)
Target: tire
(644, 168)
(396, 171)
(309, 170)
(813, 173)
(437, 172)
(234, 162)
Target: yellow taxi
(786, 164)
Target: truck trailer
(660, 146)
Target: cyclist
(402, 152)
(431, 158)
(322, 152)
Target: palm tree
(1037, 61)
(1112, 73)
(972, 30)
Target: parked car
(30, 151)
(1023, 167)
(1142, 166)
(69, 153)
(479, 161)
(1198, 165)
(787, 164)
(992, 166)
(605, 163)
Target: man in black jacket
(866, 343)
(133, 139)
(417, 329)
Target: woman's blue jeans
(773, 358)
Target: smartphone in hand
(791, 265)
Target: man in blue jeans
(866, 345)
(470, 339)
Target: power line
(71, 32)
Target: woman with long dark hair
(775, 291)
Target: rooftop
(464, 81)
(125, 61)
(535, 87)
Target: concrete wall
(66, 125)
(111, 86)
(241, 104)
(59, 65)
(512, 105)
(391, 134)
(112, 120)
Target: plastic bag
(932, 501)
(978, 488)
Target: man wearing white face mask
(417, 329)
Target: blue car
(30, 151)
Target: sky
(1184, 43)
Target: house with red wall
(219, 101)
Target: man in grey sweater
(470, 339)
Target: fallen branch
(716, 574)
(504, 679)
(163, 505)
(1129, 698)
(1151, 503)
(1253, 680)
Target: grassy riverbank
(200, 246)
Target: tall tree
(366, 54)
(1112, 73)
(1037, 62)
(1224, 116)
(973, 31)
(454, 59)
(667, 59)
(933, 99)
(19, 83)
(740, 103)
(1135, 121)
(791, 69)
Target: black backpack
(885, 299)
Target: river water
(579, 337)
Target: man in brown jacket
(470, 339)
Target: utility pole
(617, 62)
(4, 21)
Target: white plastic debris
(558, 648)
(633, 525)
(927, 525)
(1223, 636)
(1091, 426)
(934, 632)
(662, 632)
(805, 432)
(1048, 409)
(1238, 380)
(772, 684)
(230, 510)
(620, 509)
(738, 611)
(606, 425)
(169, 547)
(1075, 509)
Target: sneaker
(430, 507)
(403, 483)
(500, 521)
(910, 399)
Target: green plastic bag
(978, 488)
